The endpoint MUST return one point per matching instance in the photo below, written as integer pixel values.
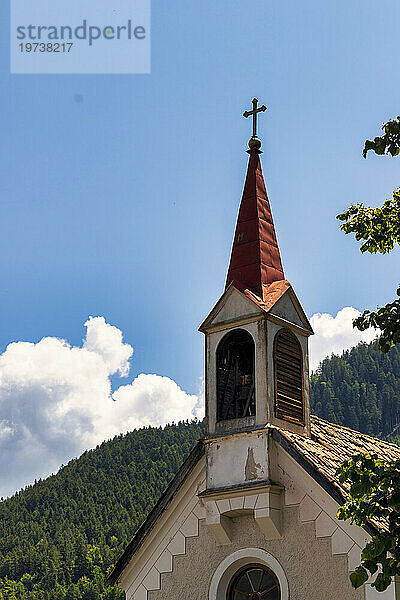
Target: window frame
(232, 563)
(247, 567)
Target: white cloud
(335, 334)
(56, 401)
(151, 399)
(106, 340)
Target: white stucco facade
(312, 558)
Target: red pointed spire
(255, 258)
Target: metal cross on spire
(254, 142)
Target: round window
(254, 582)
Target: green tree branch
(389, 143)
(378, 228)
(374, 485)
(387, 319)
(374, 496)
(379, 231)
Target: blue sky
(120, 193)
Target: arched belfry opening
(288, 359)
(235, 376)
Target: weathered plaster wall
(285, 309)
(234, 306)
(312, 572)
(237, 459)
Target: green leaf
(358, 577)
(382, 582)
(373, 549)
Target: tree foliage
(378, 228)
(374, 495)
(388, 143)
(387, 319)
(374, 485)
(379, 231)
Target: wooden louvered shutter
(289, 403)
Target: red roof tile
(270, 293)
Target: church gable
(231, 307)
(182, 558)
(302, 562)
(288, 307)
(192, 532)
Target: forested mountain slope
(59, 537)
(360, 389)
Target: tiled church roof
(331, 444)
(328, 447)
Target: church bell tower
(256, 338)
